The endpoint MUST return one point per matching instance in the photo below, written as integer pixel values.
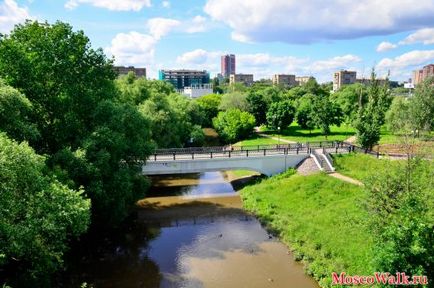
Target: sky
(309, 37)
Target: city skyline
(398, 36)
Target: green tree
(81, 122)
(280, 114)
(38, 214)
(234, 125)
(398, 117)
(258, 107)
(15, 114)
(371, 116)
(234, 100)
(349, 98)
(400, 216)
(210, 107)
(325, 114)
(422, 105)
(305, 112)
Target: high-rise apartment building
(121, 70)
(184, 78)
(228, 65)
(343, 77)
(284, 79)
(303, 79)
(420, 75)
(246, 79)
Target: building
(284, 79)
(196, 91)
(420, 75)
(228, 65)
(303, 79)
(184, 78)
(246, 79)
(122, 70)
(343, 77)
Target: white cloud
(425, 36)
(402, 66)
(132, 48)
(335, 63)
(198, 24)
(385, 46)
(11, 14)
(159, 27)
(115, 5)
(309, 21)
(165, 4)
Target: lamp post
(278, 136)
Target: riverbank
(319, 217)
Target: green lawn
(320, 218)
(257, 140)
(361, 166)
(297, 134)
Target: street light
(278, 136)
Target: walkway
(276, 138)
(345, 178)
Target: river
(190, 232)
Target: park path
(276, 138)
(345, 178)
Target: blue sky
(310, 37)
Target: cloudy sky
(309, 37)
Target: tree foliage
(234, 100)
(209, 104)
(234, 125)
(371, 116)
(400, 206)
(422, 105)
(280, 114)
(325, 114)
(38, 214)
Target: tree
(38, 214)
(234, 100)
(234, 125)
(15, 114)
(305, 112)
(400, 217)
(80, 120)
(280, 114)
(326, 114)
(349, 98)
(398, 117)
(209, 105)
(258, 107)
(371, 116)
(422, 106)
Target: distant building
(420, 75)
(196, 91)
(122, 70)
(184, 78)
(228, 65)
(284, 79)
(303, 79)
(246, 79)
(343, 77)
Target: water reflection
(177, 242)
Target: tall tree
(280, 114)
(422, 106)
(38, 215)
(234, 125)
(90, 138)
(371, 116)
(326, 114)
(258, 107)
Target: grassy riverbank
(320, 218)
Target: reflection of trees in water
(118, 259)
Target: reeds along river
(190, 232)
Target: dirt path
(352, 139)
(276, 138)
(346, 178)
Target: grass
(257, 140)
(361, 166)
(320, 218)
(297, 134)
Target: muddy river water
(192, 232)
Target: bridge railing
(315, 144)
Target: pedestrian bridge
(266, 159)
